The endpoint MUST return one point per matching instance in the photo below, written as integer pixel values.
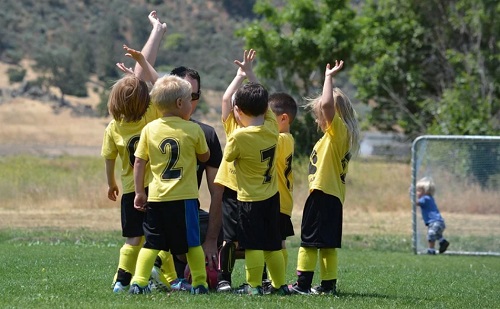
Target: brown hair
(129, 99)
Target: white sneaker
(159, 280)
(118, 287)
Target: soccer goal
(466, 172)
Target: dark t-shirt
(215, 150)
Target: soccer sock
(196, 262)
(328, 263)
(306, 262)
(284, 251)
(265, 274)
(123, 277)
(276, 265)
(167, 265)
(145, 262)
(227, 259)
(254, 265)
(180, 266)
(127, 262)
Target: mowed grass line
(74, 269)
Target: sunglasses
(195, 96)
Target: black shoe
(245, 288)
(443, 245)
(296, 289)
(224, 286)
(281, 291)
(266, 286)
(319, 290)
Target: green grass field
(51, 268)
(50, 261)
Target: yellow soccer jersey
(284, 171)
(120, 139)
(253, 149)
(170, 144)
(226, 174)
(329, 160)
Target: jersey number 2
(172, 146)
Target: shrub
(16, 74)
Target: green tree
(62, 71)
(430, 66)
(294, 41)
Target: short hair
(426, 184)
(283, 103)
(167, 90)
(129, 99)
(252, 99)
(183, 71)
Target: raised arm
(148, 72)
(150, 49)
(245, 70)
(327, 102)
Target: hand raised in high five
(332, 71)
(246, 66)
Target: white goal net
(466, 172)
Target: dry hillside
(36, 127)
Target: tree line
(417, 66)
(422, 66)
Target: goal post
(466, 172)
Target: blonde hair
(426, 184)
(346, 112)
(129, 99)
(167, 90)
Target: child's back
(171, 144)
(129, 104)
(254, 149)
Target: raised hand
(155, 21)
(245, 66)
(332, 71)
(132, 53)
(124, 69)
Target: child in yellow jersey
(171, 146)
(321, 227)
(285, 108)
(252, 148)
(211, 230)
(129, 105)
(226, 177)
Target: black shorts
(132, 219)
(230, 214)
(286, 226)
(259, 224)
(322, 221)
(172, 226)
